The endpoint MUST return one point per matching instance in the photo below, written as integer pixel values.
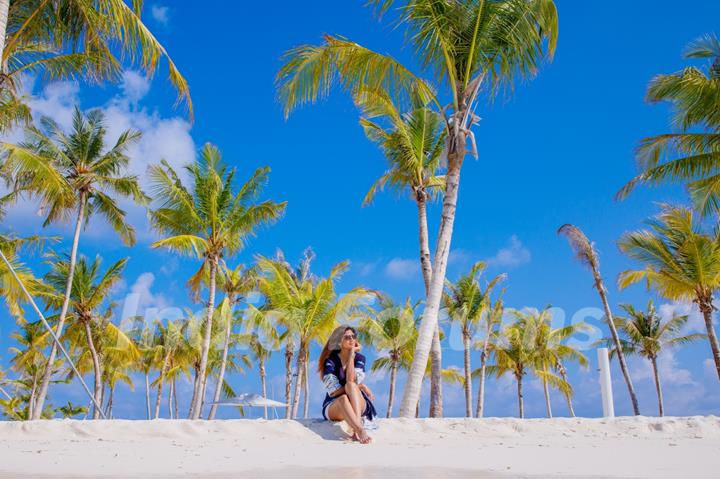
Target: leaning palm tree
(690, 155)
(390, 330)
(586, 254)
(680, 262)
(71, 38)
(73, 175)
(307, 306)
(470, 47)
(10, 289)
(466, 303)
(90, 289)
(647, 335)
(413, 144)
(208, 220)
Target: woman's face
(349, 340)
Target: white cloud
(512, 255)
(696, 322)
(401, 268)
(146, 298)
(160, 14)
(134, 85)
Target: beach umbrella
(250, 400)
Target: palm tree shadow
(330, 431)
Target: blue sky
(556, 152)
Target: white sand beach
(640, 447)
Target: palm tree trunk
(521, 409)
(306, 384)
(391, 394)
(429, 321)
(223, 364)
(480, 410)
(108, 412)
(263, 385)
(661, 409)
(706, 308)
(198, 395)
(147, 393)
(300, 368)
(468, 377)
(161, 379)
(170, 398)
(4, 8)
(568, 397)
(195, 385)
(96, 369)
(288, 378)
(33, 391)
(177, 408)
(44, 384)
(546, 392)
(616, 341)
(436, 404)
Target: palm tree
(492, 323)
(307, 306)
(73, 38)
(514, 353)
(586, 254)
(692, 154)
(90, 289)
(209, 220)
(120, 354)
(413, 144)
(235, 283)
(72, 173)
(10, 289)
(466, 304)
(648, 335)
(390, 330)
(172, 348)
(469, 46)
(551, 354)
(28, 358)
(681, 263)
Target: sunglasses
(349, 336)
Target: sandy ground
(418, 448)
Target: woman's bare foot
(362, 437)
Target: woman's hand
(356, 348)
(367, 391)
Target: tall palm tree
(307, 306)
(90, 289)
(492, 324)
(235, 283)
(692, 153)
(586, 254)
(466, 303)
(680, 262)
(74, 174)
(208, 220)
(413, 144)
(514, 353)
(469, 46)
(648, 335)
(70, 38)
(390, 330)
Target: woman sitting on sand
(342, 369)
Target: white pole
(52, 333)
(605, 382)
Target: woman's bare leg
(356, 399)
(342, 410)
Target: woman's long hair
(333, 343)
